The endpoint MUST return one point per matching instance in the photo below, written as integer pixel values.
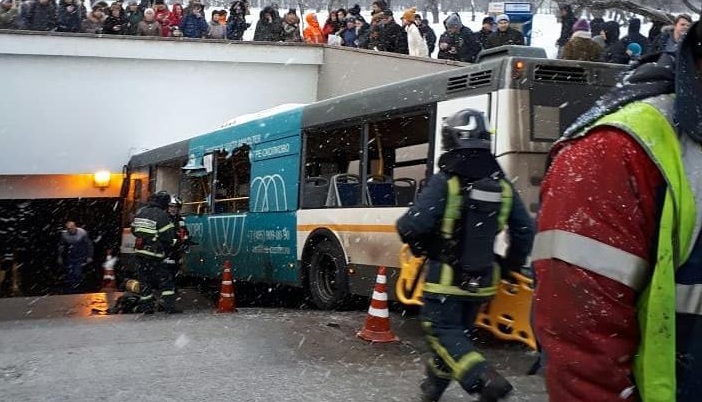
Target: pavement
(64, 348)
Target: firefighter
(182, 235)
(155, 239)
(618, 254)
(454, 222)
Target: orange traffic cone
(226, 294)
(109, 281)
(377, 326)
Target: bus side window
(332, 155)
(232, 181)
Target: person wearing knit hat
(505, 35)
(580, 46)
(416, 44)
(458, 42)
(581, 25)
(408, 15)
(502, 17)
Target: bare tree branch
(689, 5)
(630, 6)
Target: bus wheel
(329, 284)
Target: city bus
(308, 195)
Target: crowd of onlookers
(580, 39)
(599, 40)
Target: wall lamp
(101, 179)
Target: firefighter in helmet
(182, 235)
(454, 222)
(155, 239)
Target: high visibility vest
(452, 214)
(650, 123)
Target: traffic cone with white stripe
(377, 326)
(227, 304)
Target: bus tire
(328, 278)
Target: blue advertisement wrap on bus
(260, 242)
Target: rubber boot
(433, 386)
(493, 386)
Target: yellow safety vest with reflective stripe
(452, 215)
(654, 364)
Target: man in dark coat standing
(505, 35)
(458, 42)
(567, 18)
(392, 37)
(75, 253)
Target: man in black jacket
(458, 42)
(428, 33)
(155, 238)
(392, 37)
(505, 34)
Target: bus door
(270, 238)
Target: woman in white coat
(415, 41)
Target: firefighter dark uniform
(182, 236)
(155, 237)
(454, 222)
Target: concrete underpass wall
(79, 103)
(73, 104)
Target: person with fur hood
(313, 33)
(70, 15)
(415, 41)
(94, 21)
(236, 24)
(291, 27)
(580, 46)
(669, 38)
(269, 27)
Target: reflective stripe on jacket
(452, 215)
(648, 123)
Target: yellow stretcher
(507, 315)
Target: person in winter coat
(618, 253)
(392, 37)
(453, 222)
(416, 44)
(41, 16)
(567, 19)
(162, 13)
(148, 26)
(9, 15)
(291, 27)
(614, 52)
(175, 17)
(362, 32)
(378, 6)
(668, 40)
(236, 24)
(194, 25)
(597, 31)
(458, 42)
(269, 27)
(485, 32)
(115, 24)
(580, 46)
(428, 33)
(332, 25)
(69, 16)
(75, 252)
(94, 21)
(348, 35)
(216, 29)
(634, 36)
(313, 33)
(155, 239)
(504, 35)
(134, 15)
